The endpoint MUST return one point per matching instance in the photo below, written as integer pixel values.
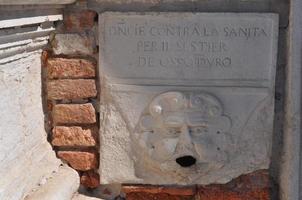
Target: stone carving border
(290, 169)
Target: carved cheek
(143, 139)
(164, 149)
(209, 151)
(205, 148)
(200, 149)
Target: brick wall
(70, 74)
(253, 186)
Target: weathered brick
(70, 68)
(159, 192)
(50, 105)
(74, 136)
(82, 161)
(184, 191)
(253, 186)
(90, 179)
(74, 114)
(71, 89)
(159, 196)
(79, 21)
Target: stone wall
(29, 167)
(24, 148)
(23, 144)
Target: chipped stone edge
(61, 186)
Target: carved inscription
(122, 29)
(203, 53)
(152, 47)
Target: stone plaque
(187, 98)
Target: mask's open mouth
(186, 161)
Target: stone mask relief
(170, 112)
(179, 131)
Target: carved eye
(172, 132)
(197, 130)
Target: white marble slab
(187, 98)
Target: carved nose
(185, 142)
(185, 135)
(186, 161)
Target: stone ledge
(33, 2)
(17, 22)
(192, 6)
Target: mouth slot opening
(186, 161)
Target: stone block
(74, 136)
(79, 21)
(253, 186)
(73, 44)
(74, 114)
(70, 68)
(82, 161)
(90, 179)
(156, 51)
(71, 89)
(189, 96)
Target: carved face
(185, 130)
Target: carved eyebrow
(194, 123)
(203, 125)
